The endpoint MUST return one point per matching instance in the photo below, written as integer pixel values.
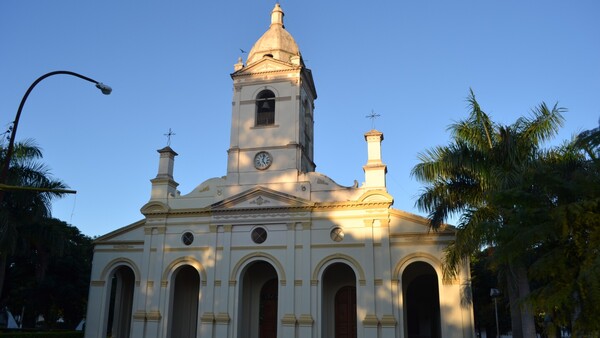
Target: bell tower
(272, 110)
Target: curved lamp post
(106, 90)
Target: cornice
(280, 210)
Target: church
(274, 248)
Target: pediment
(261, 197)
(154, 207)
(376, 196)
(265, 65)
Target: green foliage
(45, 261)
(62, 293)
(538, 209)
(41, 334)
(483, 278)
(556, 216)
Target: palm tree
(22, 208)
(461, 178)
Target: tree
(557, 209)
(461, 178)
(22, 208)
(62, 293)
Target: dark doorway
(120, 302)
(184, 308)
(345, 312)
(258, 301)
(338, 302)
(267, 323)
(422, 301)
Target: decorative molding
(338, 245)
(150, 284)
(370, 320)
(139, 315)
(153, 316)
(232, 282)
(314, 282)
(217, 282)
(288, 319)
(222, 318)
(207, 318)
(298, 282)
(259, 246)
(260, 201)
(305, 320)
(388, 321)
(97, 283)
(378, 282)
(187, 248)
(322, 181)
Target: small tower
(375, 170)
(163, 185)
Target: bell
(266, 105)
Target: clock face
(262, 160)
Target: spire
(277, 15)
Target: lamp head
(106, 90)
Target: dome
(275, 42)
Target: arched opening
(339, 302)
(421, 301)
(122, 283)
(184, 303)
(258, 301)
(265, 108)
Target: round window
(259, 235)
(187, 238)
(337, 234)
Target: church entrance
(421, 301)
(339, 302)
(259, 295)
(267, 322)
(120, 307)
(184, 303)
(345, 312)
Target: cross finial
(372, 116)
(168, 135)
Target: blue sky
(412, 62)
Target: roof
(276, 42)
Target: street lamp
(106, 90)
(495, 293)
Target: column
(366, 288)
(287, 300)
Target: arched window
(265, 108)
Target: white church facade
(274, 248)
